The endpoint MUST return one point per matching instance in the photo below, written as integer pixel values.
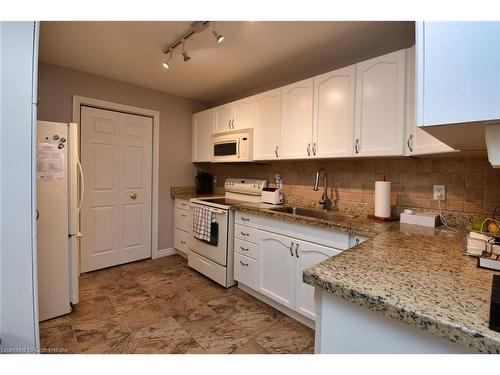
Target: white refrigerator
(59, 198)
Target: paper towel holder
(391, 218)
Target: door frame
(79, 101)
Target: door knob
(133, 196)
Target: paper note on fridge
(50, 161)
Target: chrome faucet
(324, 200)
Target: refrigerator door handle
(82, 185)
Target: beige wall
(56, 87)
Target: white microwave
(232, 146)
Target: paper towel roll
(382, 198)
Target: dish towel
(203, 222)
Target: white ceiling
(252, 54)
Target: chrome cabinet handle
(296, 250)
(356, 146)
(183, 215)
(409, 142)
(291, 249)
(245, 218)
(314, 148)
(232, 123)
(244, 234)
(242, 248)
(133, 196)
(243, 263)
(183, 242)
(308, 149)
(229, 124)
(276, 151)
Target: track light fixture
(218, 37)
(196, 27)
(185, 56)
(166, 64)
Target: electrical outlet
(439, 193)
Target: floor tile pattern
(163, 306)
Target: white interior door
(116, 153)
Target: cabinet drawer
(243, 218)
(245, 270)
(182, 219)
(181, 240)
(245, 233)
(183, 204)
(245, 248)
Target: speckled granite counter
(414, 274)
(188, 192)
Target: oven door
(216, 253)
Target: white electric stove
(216, 260)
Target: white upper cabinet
(333, 130)
(380, 105)
(297, 119)
(418, 141)
(458, 72)
(203, 128)
(223, 118)
(266, 132)
(244, 113)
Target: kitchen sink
(313, 213)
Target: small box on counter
(427, 220)
(272, 196)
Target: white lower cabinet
(182, 224)
(276, 268)
(307, 255)
(271, 260)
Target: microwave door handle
(238, 148)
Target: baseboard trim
(166, 252)
(285, 310)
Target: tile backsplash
(472, 185)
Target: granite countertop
(414, 274)
(188, 192)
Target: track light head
(218, 37)
(185, 55)
(166, 63)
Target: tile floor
(163, 306)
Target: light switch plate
(439, 193)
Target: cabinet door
(458, 72)
(266, 133)
(418, 141)
(276, 268)
(244, 113)
(307, 255)
(296, 120)
(380, 101)
(203, 127)
(223, 117)
(333, 130)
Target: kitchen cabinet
(418, 141)
(380, 105)
(223, 118)
(276, 266)
(333, 130)
(297, 119)
(182, 225)
(307, 255)
(458, 75)
(266, 133)
(244, 113)
(203, 128)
